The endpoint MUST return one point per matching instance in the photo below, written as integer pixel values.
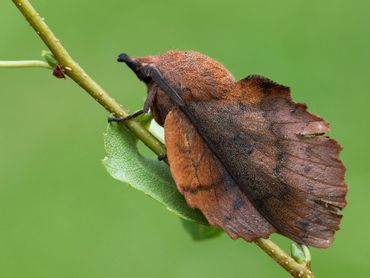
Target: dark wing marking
(271, 148)
(205, 183)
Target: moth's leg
(129, 117)
(149, 99)
(148, 103)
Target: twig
(75, 72)
(24, 64)
(283, 259)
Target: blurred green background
(62, 215)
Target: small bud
(297, 253)
(58, 72)
(49, 58)
(307, 253)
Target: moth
(252, 160)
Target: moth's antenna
(132, 64)
(147, 73)
(162, 82)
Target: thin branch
(75, 72)
(72, 69)
(24, 64)
(283, 259)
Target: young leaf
(297, 253)
(199, 231)
(156, 130)
(49, 58)
(123, 162)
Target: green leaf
(156, 130)
(199, 231)
(49, 58)
(307, 253)
(297, 253)
(145, 119)
(123, 162)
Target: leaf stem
(24, 64)
(72, 69)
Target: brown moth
(253, 161)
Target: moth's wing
(205, 183)
(274, 151)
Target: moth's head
(193, 75)
(188, 70)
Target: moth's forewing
(206, 184)
(273, 151)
